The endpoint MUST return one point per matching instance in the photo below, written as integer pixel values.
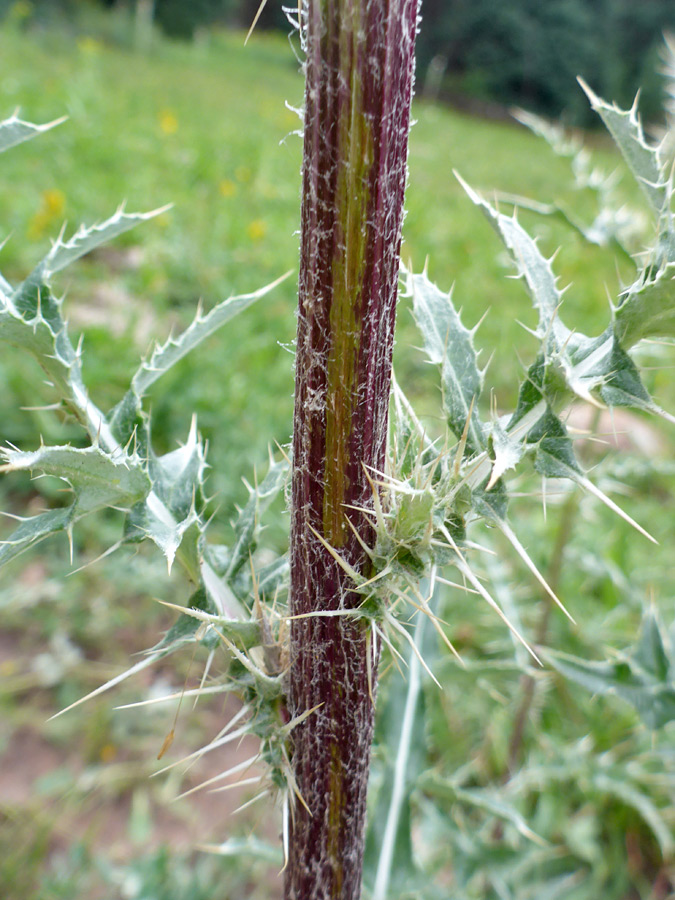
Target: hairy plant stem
(359, 79)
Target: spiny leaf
(645, 162)
(504, 451)
(647, 308)
(98, 479)
(166, 355)
(613, 220)
(31, 319)
(492, 502)
(481, 798)
(128, 422)
(622, 385)
(177, 477)
(151, 518)
(449, 345)
(172, 509)
(531, 399)
(533, 267)
(573, 361)
(247, 522)
(618, 786)
(643, 678)
(554, 454)
(201, 608)
(14, 131)
(84, 241)
(33, 530)
(185, 627)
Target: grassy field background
(207, 128)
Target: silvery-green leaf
(534, 268)
(177, 477)
(481, 798)
(616, 784)
(128, 422)
(653, 651)
(449, 344)
(645, 162)
(14, 131)
(491, 503)
(647, 308)
(247, 524)
(84, 241)
(606, 230)
(622, 385)
(653, 697)
(152, 519)
(572, 360)
(98, 479)
(201, 611)
(31, 319)
(613, 221)
(531, 399)
(174, 349)
(584, 364)
(505, 452)
(33, 322)
(171, 509)
(185, 627)
(34, 529)
(554, 452)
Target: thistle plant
(385, 515)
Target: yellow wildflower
(168, 122)
(54, 202)
(52, 207)
(227, 188)
(89, 45)
(257, 229)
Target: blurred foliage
(529, 53)
(521, 52)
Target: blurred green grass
(206, 128)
